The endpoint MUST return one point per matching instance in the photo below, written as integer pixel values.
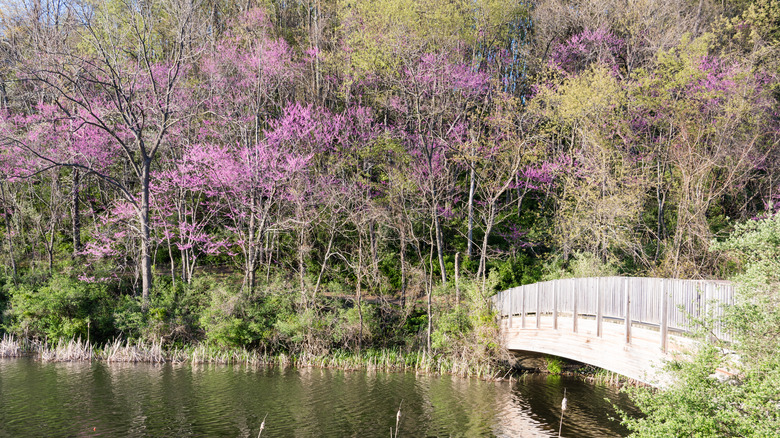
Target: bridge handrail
(669, 304)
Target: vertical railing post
(522, 306)
(664, 313)
(511, 293)
(599, 306)
(574, 311)
(627, 301)
(538, 306)
(556, 286)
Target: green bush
(451, 327)
(699, 401)
(579, 265)
(469, 329)
(172, 314)
(61, 308)
(233, 319)
(553, 364)
(521, 269)
(347, 331)
(307, 330)
(4, 297)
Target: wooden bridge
(627, 325)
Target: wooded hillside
(383, 147)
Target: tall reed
(117, 351)
(73, 350)
(10, 346)
(155, 351)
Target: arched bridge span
(627, 325)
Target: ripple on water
(140, 400)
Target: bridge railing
(666, 304)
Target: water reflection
(97, 399)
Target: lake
(133, 400)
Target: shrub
(307, 330)
(553, 364)
(579, 265)
(469, 329)
(451, 328)
(347, 330)
(61, 308)
(699, 402)
(172, 314)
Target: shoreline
(384, 360)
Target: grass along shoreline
(154, 352)
(387, 360)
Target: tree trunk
(192, 260)
(76, 214)
(50, 249)
(439, 244)
(268, 253)
(316, 39)
(457, 279)
(661, 199)
(9, 240)
(302, 266)
(250, 264)
(429, 312)
(483, 257)
(403, 268)
(429, 290)
(146, 257)
(183, 265)
(324, 262)
(470, 241)
(374, 245)
(173, 265)
(358, 292)
(3, 95)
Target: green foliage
(698, 403)
(171, 316)
(553, 364)
(4, 298)
(516, 271)
(756, 244)
(61, 308)
(415, 323)
(579, 265)
(347, 329)
(231, 318)
(469, 329)
(757, 26)
(223, 318)
(451, 327)
(596, 209)
(305, 331)
(377, 30)
(119, 23)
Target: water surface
(139, 400)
